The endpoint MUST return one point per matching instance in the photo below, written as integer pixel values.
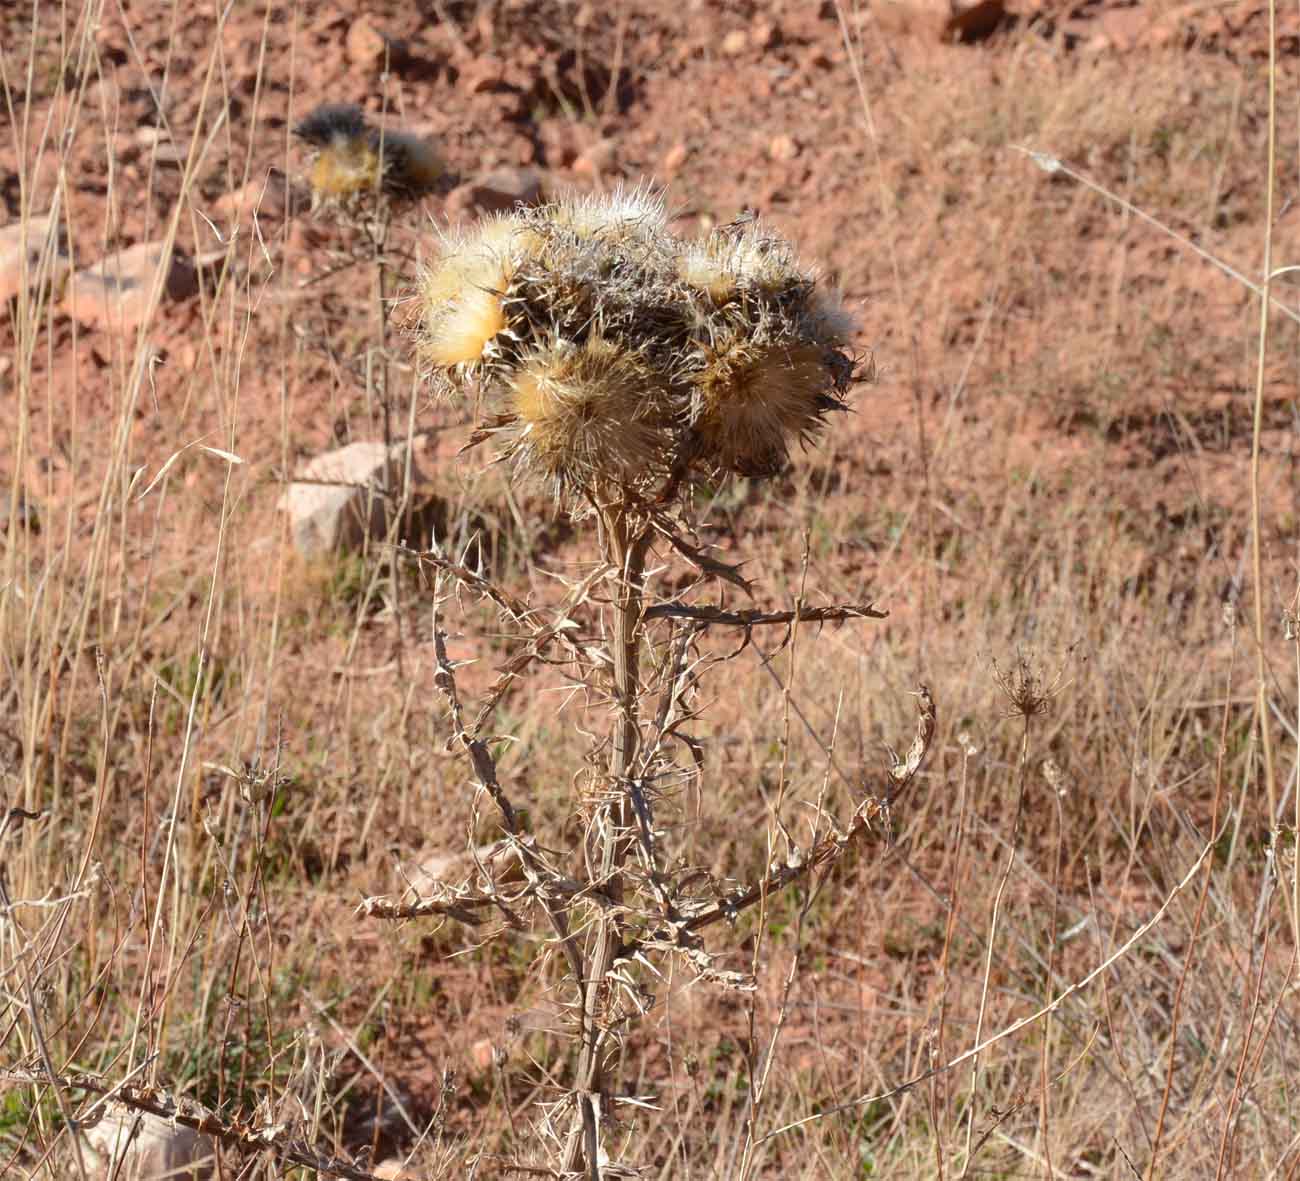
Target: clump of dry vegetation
(622, 365)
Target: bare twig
(753, 618)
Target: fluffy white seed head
(462, 295)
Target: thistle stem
(626, 541)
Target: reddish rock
(365, 45)
(941, 20)
(783, 147)
(481, 74)
(395, 1170)
(1124, 28)
(482, 1053)
(158, 146)
(765, 34)
(562, 141)
(734, 43)
(31, 253)
(116, 292)
(499, 191)
(599, 158)
(1175, 27)
(266, 198)
(675, 157)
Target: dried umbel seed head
(354, 161)
(587, 415)
(623, 356)
(463, 295)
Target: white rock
(132, 1146)
(115, 293)
(343, 497)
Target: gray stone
(115, 292)
(343, 497)
(133, 1146)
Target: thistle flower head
(353, 161)
(624, 217)
(753, 400)
(586, 415)
(410, 164)
(620, 353)
(332, 123)
(734, 263)
(462, 295)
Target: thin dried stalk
(485, 772)
(627, 541)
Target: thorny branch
(747, 619)
(679, 933)
(904, 770)
(674, 922)
(485, 772)
(515, 608)
(557, 892)
(542, 636)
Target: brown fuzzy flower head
(623, 356)
(586, 415)
(754, 400)
(767, 360)
(354, 162)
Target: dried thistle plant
(618, 364)
(354, 163)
